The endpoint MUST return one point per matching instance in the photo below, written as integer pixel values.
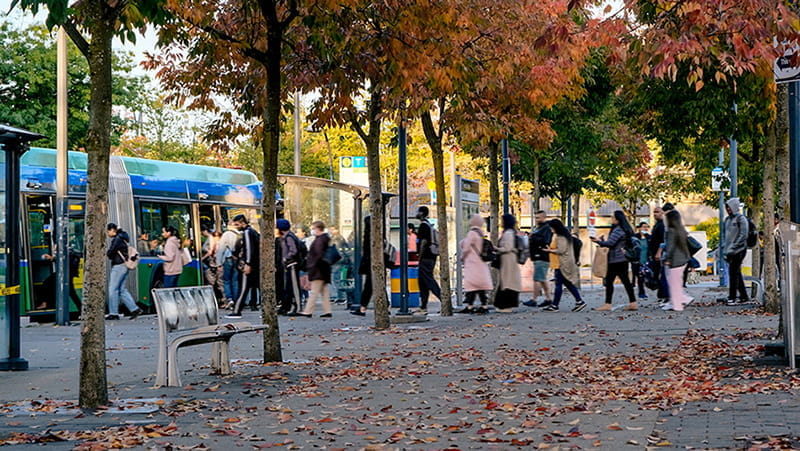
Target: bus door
(77, 232)
(37, 265)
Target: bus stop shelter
(341, 207)
(13, 142)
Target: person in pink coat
(477, 277)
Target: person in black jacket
(540, 239)
(117, 253)
(428, 251)
(654, 248)
(364, 269)
(249, 259)
(319, 272)
(290, 260)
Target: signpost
(591, 222)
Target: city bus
(144, 196)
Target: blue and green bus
(144, 196)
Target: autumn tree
(92, 25)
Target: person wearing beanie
(293, 253)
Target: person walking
(117, 253)
(226, 259)
(654, 249)
(248, 256)
(620, 233)
(477, 276)
(541, 238)
(290, 261)
(676, 256)
(510, 283)
(565, 268)
(428, 247)
(734, 249)
(638, 267)
(365, 269)
(319, 272)
(172, 257)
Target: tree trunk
(372, 141)
(270, 146)
(93, 390)
(494, 191)
(437, 155)
(782, 152)
(576, 212)
(770, 271)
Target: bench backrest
(185, 308)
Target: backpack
(693, 245)
(434, 244)
(633, 249)
(131, 260)
(577, 245)
(389, 255)
(752, 233)
(302, 251)
(488, 251)
(522, 249)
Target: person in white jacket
(225, 259)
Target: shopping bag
(600, 262)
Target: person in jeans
(319, 272)
(676, 256)
(621, 232)
(541, 238)
(636, 267)
(225, 259)
(172, 257)
(427, 261)
(477, 277)
(565, 268)
(734, 249)
(117, 253)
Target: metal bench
(757, 292)
(189, 315)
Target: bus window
(156, 215)
(207, 219)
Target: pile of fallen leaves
(105, 438)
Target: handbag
(186, 256)
(331, 255)
(694, 245)
(600, 262)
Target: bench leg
(220, 357)
(173, 377)
(161, 373)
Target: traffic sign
(783, 68)
(591, 221)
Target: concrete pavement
(616, 380)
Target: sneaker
(233, 316)
(466, 309)
(358, 313)
(732, 302)
(530, 303)
(304, 315)
(550, 308)
(504, 310)
(325, 315)
(481, 310)
(579, 307)
(643, 296)
(136, 313)
(112, 317)
(603, 308)
(667, 307)
(545, 303)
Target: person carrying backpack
(291, 260)
(734, 250)
(620, 233)
(477, 277)
(249, 260)
(226, 259)
(117, 253)
(428, 248)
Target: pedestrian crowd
(657, 259)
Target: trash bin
(413, 287)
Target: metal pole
(789, 297)
(794, 151)
(62, 202)
(14, 362)
(734, 161)
(459, 236)
(297, 168)
(506, 176)
(721, 267)
(403, 198)
(358, 244)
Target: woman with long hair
(676, 257)
(565, 268)
(510, 284)
(621, 233)
(173, 259)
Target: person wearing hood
(477, 277)
(172, 257)
(734, 249)
(290, 260)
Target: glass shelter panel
(3, 308)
